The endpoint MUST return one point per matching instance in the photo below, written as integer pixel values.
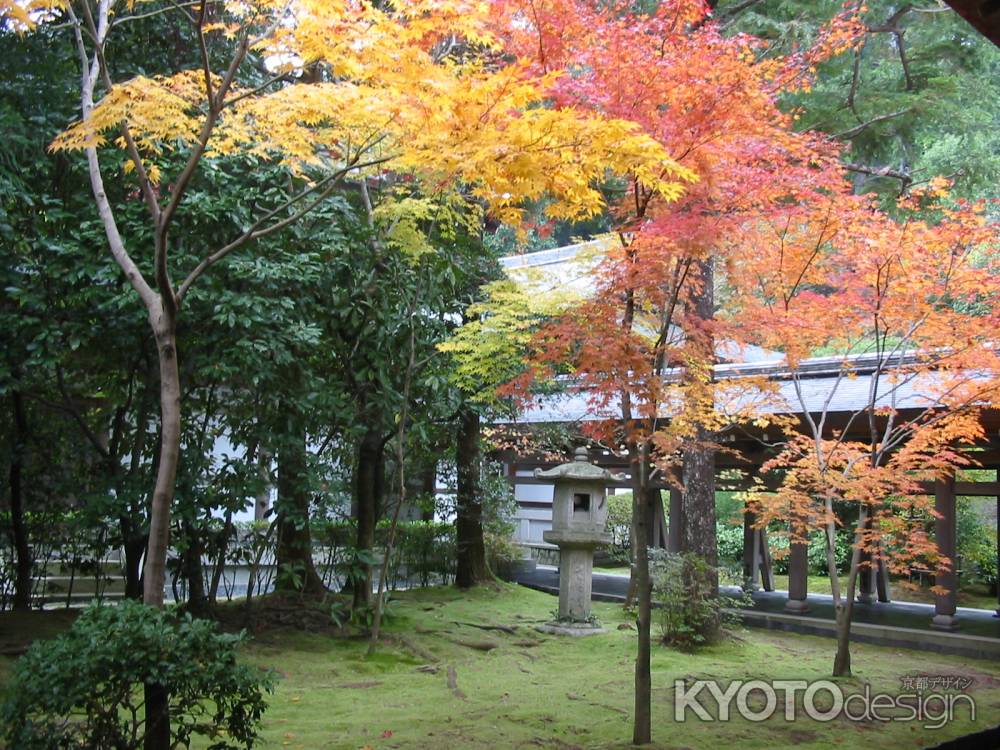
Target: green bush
(977, 545)
(730, 543)
(620, 526)
(841, 552)
(690, 612)
(424, 550)
(84, 689)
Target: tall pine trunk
(19, 530)
(296, 570)
(698, 531)
(698, 535)
(471, 567)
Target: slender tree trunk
(366, 484)
(428, 488)
(471, 567)
(401, 468)
(157, 735)
(220, 558)
(294, 549)
(154, 573)
(130, 521)
(633, 576)
(193, 571)
(845, 606)
(642, 517)
(134, 543)
(23, 562)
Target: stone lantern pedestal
(579, 515)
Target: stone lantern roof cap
(579, 469)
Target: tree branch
(88, 76)
(856, 130)
(903, 177)
(259, 230)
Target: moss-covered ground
(438, 681)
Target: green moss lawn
(440, 682)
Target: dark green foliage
(424, 552)
(977, 546)
(817, 553)
(84, 689)
(920, 98)
(689, 611)
(730, 540)
(620, 526)
(731, 550)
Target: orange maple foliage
(911, 301)
(710, 100)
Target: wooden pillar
(658, 532)
(866, 580)
(944, 604)
(882, 579)
(798, 579)
(998, 550)
(756, 555)
(675, 529)
(749, 550)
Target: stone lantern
(579, 515)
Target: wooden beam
(968, 489)
(984, 15)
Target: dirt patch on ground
(274, 611)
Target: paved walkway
(899, 623)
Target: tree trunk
(157, 735)
(23, 562)
(134, 543)
(699, 501)
(131, 518)
(471, 567)
(428, 489)
(366, 487)
(296, 570)
(193, 572)
(845, 607)
(698, 455)
(155, 570)
(157, 726)
(642, 517)
(220, 558)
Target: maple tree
(912, 302)
(711, 101)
